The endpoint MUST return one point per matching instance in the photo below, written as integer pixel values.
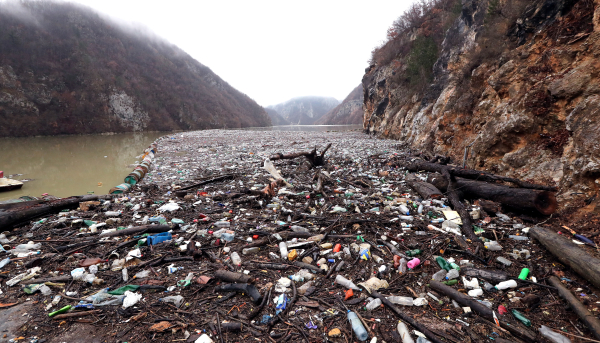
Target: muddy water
(71, 165)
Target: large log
(467, 226)
(511, 326)
(586, 316)
(425, 189)
(523, 199)
(138, 230)
(9, 219)
(471, 174)
(569, 254)
(312, 156)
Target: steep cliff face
(66, 70)
(349, 111)
(305, 110)
(529, 110)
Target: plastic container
(404, 210)
(506, 284)
(413, 263)
(405, 301)
(357, 326)
(493, 246)
(159, 238)
(235, 259)
(374, 304)
(443, 263)
(346, 283)
(283, 250)
(402, 268)
(475, 292)
(222, 224)
(142, 274)
(228, 236)
(524, 273)
(404, 333)
(504, 261)
(177, 300)
(452, 274)
(521, 317)
(415, 252)
(518, 238)
(29, 246)
(553, 336)
(252, 250)
(439, 275)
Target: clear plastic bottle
(375, 303)
(404, 210)
(302, 289)
(407, 218)
(283, 250)
(503, 260)
(29, 246)
(404, 333)
(222, 224)
(405, 301)
(296, 278)
(345, 283)
(235, 259)
(452, 274)
(518, 238)
(553, 336)
(142, 274)
(125, 275)
(177, 300)
(252, 250)
(297, 228)
(357, 326)
(228, 236)
(402, 268)
(440, 275)
(493, 246)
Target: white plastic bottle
(404, 333)
(283, 250)
(235, 259)
(406, 301)
(506, 284)
(404, 210)
(346, 283)
(373, 304)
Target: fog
(271, 50)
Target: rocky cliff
(521, 93)
(64, 69)
(305, 110)
(349, 111)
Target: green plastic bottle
(450, 282)
(521, 318)
(443, 263)
(415, 252)
(62, 310)
(524, 273)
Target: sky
(272, 51)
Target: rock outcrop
(66, 70)
(530, 111)
(349, 111)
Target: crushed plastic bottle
(176, 300)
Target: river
(76, 165)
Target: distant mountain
(276, 118)
(65, 69)
(305, 110)
(350, 111)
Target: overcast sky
(271, 50)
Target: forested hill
(65, 69)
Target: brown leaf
(160, 327)
(203, 279)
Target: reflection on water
(71, 165)
(305, 128)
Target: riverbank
(356, 203)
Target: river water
(76, 165)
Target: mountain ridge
(305, 110)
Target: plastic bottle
(524, 273)
(406, 301)
(402, 268)
(296, 278)
(222, 224)
(407, 218)
(553, 336)
(452, 274)
(177, 300)
(503, 260)
(142, 274)
(443, 263)
(297, 228)
(29, 246)
(283, 250)
(506, 284)
(302, 289)
(375, 303)
(493, 246)
(235, 259)
(420, 209)
(521, 317)
(439, 275)
(357, 326)
(228, 236)
(415, 252)
(413, 263)
(125, 275)
(518, 238)
(345, 282)
(404, 333)
(252, 250)
(404, 210)
(422, 340)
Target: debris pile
(302, 236)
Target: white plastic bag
(131, 299)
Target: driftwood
(50, 279)
(407, 318)
(586, 316)
(205, 182)
(471, 174)
(512, 326)
(523, 199)
(242, 288)
(569, 253)
(312, 156)
(493, 276)
(9, 219)
(138, 230)
(425, 189)
(76, 314)
(467, 226)
(228, 276)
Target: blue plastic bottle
(357, 326)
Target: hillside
(305, 110)
(349, 111)
(64, 69)
(514, 82)
(276, 118)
